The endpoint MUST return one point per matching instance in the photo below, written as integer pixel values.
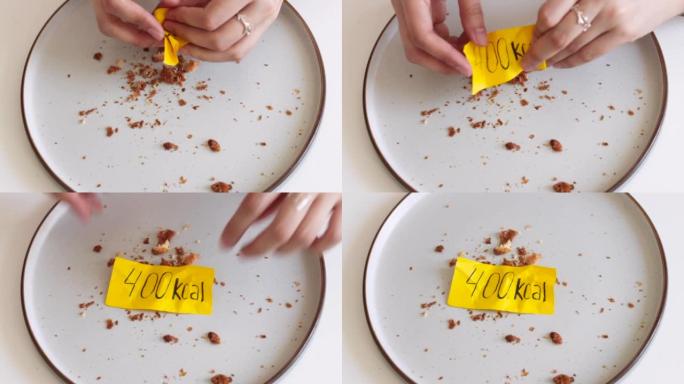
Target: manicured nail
(481, 37)
(155, 33)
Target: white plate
(601, 245)
(61, 78)
(423, 157)
(61, 271)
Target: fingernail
(527, 66)
(480, 36)
(155, 33)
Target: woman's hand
(562, 42)
(426, 38)
(83, 204)
(213, 28)
(127, 21)
(302, 221)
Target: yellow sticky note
(499, 61)
(526, 289)
(172, 44)
(160, 288)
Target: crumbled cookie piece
(529, 259)
(556, 145)
(214, 338)
(428, 305)
(109, 323)
(113, 69)
(507, 235)
(503, 249)
(97, 56)
(453, 323)
(110, 262)
(190, 66)
(221, 187)
(188, 259)
(97, 248)
(563, 379)
(512, 339)
(556, 338)
(161, 249)
(439, 248)
(214, 145)
(221, 379)
(563, 187)
(511, 146)
(170, 339)
(165, 235)
(169, 146)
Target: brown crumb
(97, 56)
(113, 69)
(563, 187)
(512, 339)
(221, 379)
(563, 379)
(454, 323)
(507, 235)
(221, 187)
(439, 248)
(452, 262)
(529, 259)
(428, 305)
(188, 259)
(214, 145)
(169, 146)
(110, 131)
(110, 262)
(556, 338)
(511, 146)
(109, 323)
(523, 102)
(86, 305)
(182, 102)
(170, 339)
(214, 338)
(160, 249)
(453, 131)
(428, 112)
(556, 145)
(97, 248)
(502, 249)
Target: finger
(288, 218)
(127, 33)
(558, 37)
(251, 208)
(333, 235)
(132, 13)
(273, 207)
(550, 14)
(442, 30)
(235, 53)
(600, 26)
(312, 224)
(223, 38)
(593, 50)
(439, 11)
(210, 17)
(93, 202)
(182, 3)
(472, 20)
(80, 206)
(421, 33)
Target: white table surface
(362, 361)
(20, 361)
(363, 21)
(20, 169)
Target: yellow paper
(160, 288)
(172, 44)
(499, 61)
(526, 289)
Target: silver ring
(246, 25)
(582, 20)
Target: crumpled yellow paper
(172, 44)
(499, 61)
(526, 289)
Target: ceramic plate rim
(615, 379)
(295, 357)
(274, 185)
(407, 186)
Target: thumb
(472, 20)
(132, 13)
(182, 3)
